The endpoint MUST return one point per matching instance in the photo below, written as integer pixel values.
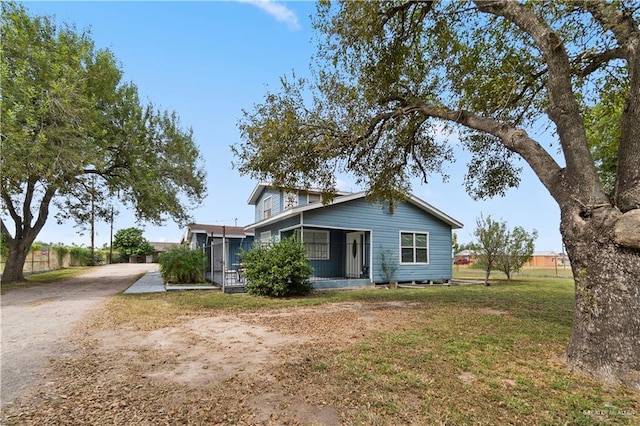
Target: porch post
(211, 253)
(370, 255)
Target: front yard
(439, 355)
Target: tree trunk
(605, 338)
(17, 255)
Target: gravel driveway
(37, 323)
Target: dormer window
(313, 198)
(266, 208)
(290, 200)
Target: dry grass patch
(454, 355)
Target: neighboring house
(346, 239)
(547, 259)
(222, 244)
(465, 257)
(159, 248)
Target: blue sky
(209, 60)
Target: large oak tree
(390, 75)
(74, 135)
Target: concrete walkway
(151, 282)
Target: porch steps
(233, 289)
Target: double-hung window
(414, 247)
(266, 208)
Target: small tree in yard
(278, 270)
(518, 249)
(499, 248)
(182, 265)
(130, 242)
(491, 236)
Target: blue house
(353, 242)
(222, 245)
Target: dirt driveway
(37, 323)
(66, 361)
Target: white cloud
(277, 10)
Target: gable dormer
(270, 201)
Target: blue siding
(335, 265)
(276, 203)
(276, 227)
(386, 228)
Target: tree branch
(12, 212)
(622, 25)
(627, 33)
(593, 62)
(43, 210)
(563, 109)
(4, 231)
(515, 140)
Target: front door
(355, 241)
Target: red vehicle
(462, 261)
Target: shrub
(278, 270)
(388, 265)
(80, 256)
(61, 251)
(182, 265)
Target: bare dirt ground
(247, 367)
(37, 323)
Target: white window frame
(290, 200)
(265, 237)
(266, 213)
(313, 194)
(413, 247)
(326, 255)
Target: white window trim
(314, 194)
(319, 231)
(265, 237)
(294, 197)
(264, 210)
(414, 248)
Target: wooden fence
(42, 261)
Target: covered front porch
(340, 258)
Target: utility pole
(93, 218)
(111, 239)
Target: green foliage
(36, 246)
(498, 248)
(388, 265)
(278, 270)
(75, 135)
(130, 242)
(455, 246)
(182, 265)
(4, 249)
(490, 238)
(80, 256)
(393, 81)
(603, 133)
(60, 251)
(518, 248)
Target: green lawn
(473, 272)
